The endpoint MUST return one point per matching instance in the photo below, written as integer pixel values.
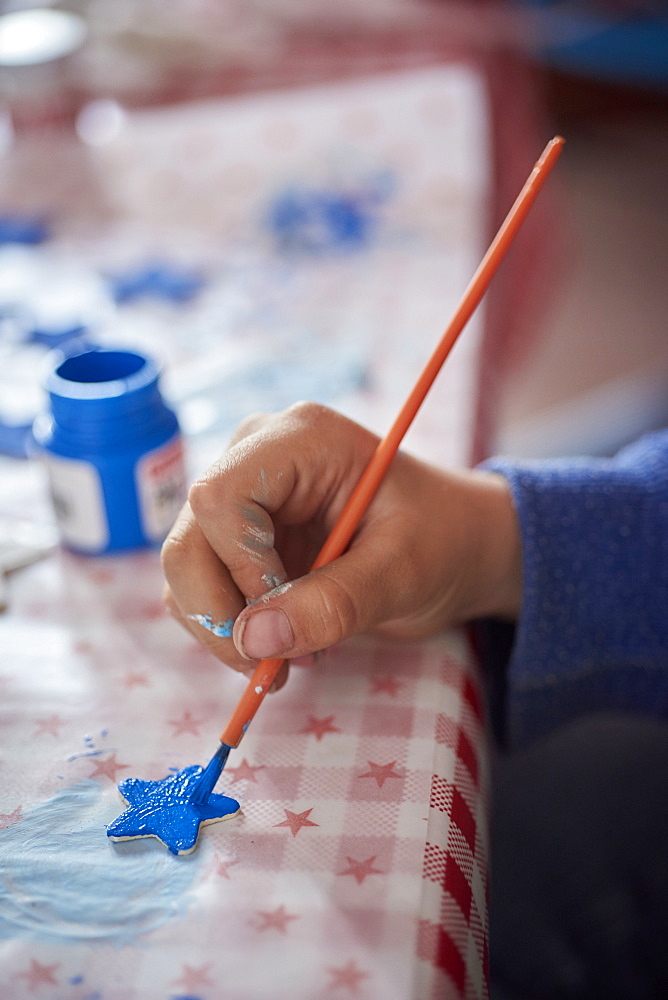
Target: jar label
(78, 501)
(161, 488)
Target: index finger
(280, 476)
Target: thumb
(313, 612)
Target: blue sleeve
(593, 629)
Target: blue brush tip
(210, 775)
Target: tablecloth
(358, 864)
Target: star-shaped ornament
(165, 809)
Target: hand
(434, 548)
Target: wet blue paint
(222, 629)
(91, 750)
(168, 810)
(60, 881)
(85, 753)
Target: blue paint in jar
(112, 449)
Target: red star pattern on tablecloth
(193, 977)
(135, 680)
(297, 820)
(388, 685)
(381, 772)
(108, 768)
(347, 976)
(319, 727)
(51, 725)
(151, 610)
(82, 647)
(102, 575)
(222, 866)
(11, 819)
(244, 770)
(360, 869)
(39, 975)
(186, 724)
(277, 919)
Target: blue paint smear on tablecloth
(62, 882)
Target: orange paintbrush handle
(371, 478)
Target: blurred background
(585, 365)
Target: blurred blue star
(165, 810)
(158, 280)
(27, 229)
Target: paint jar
(112, 449)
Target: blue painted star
(165, 809)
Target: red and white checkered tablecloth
(358, 865)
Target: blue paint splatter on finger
(221, 629)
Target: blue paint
(206, 783)
(59, 882)
(157, 280)
(85, 753)
(107, 419)
(221, 629)
(91, 750)
(317, 220)
(26, 229)
(167, 810)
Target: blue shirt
(593, 629)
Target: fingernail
(266, 633)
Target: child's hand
(434, 548)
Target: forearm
(592, 631)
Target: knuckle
(173, 553)
(307, 413)
(250, 424)
(203, 498)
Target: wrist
(496, 549)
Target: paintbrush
(371, 478)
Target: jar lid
(101, 373)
